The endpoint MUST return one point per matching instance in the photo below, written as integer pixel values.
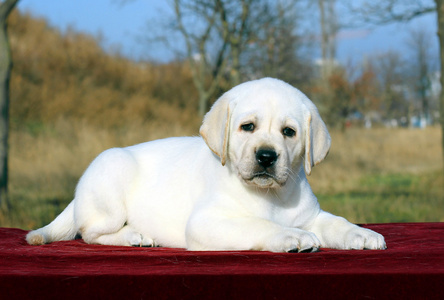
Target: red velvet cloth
(411, 268)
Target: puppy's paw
(35, 238)
(147, 242)
(135, 239)
(295, 240)
(361, 238)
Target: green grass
(30, 209)
(390, 198)
(395, 182)
(375, 199)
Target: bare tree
(420, 44)
(217, 35)
(279, 49)
(234, 17)
(6, 7)
(390, 71)
(388, 11)
(242, 22)
(329, 30)
(367, 92)
(206, 69)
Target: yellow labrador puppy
(241, 186)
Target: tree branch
(6, 7)
(390, 11)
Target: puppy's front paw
(294, 240)
(135, 239)
(361, 238)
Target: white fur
(177, 192)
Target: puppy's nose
(266, 157)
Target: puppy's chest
(285, 215)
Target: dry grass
(70, 101)
(69, 76)
(360, 152)
(369, 176)
(45, 167)
(383, 175)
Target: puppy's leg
(126, 236)
(214, 232)
(109, 228)
(337, 233)
(100, 209)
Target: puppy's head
(266, 129)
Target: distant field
(383, 175)
(70, 101)
(390, 198)
(379, 175)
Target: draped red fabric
(411, 268)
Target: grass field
(390, 198)
(383, 175)
(70, 101)
(378, 175)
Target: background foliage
(70, 101)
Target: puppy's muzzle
(266, 158)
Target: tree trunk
(440, 12)
(324, 39)
(5, 73)
(5, 66)
(203, 102)
(328, 36)
(235, 70)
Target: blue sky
(122, 26)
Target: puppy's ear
(215, 129)
(317, 138)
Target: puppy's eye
(288, 132)
(247, 127)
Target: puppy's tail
(61, 229)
